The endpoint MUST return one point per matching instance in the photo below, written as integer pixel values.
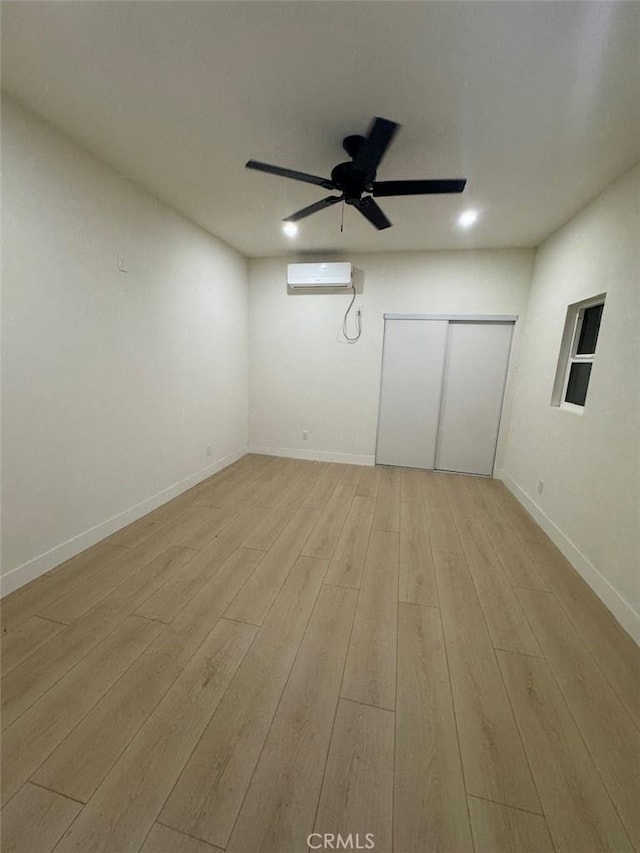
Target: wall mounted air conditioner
(319, 275)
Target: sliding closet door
(473, 388)
(412, 365)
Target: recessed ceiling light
(290, 229)
(468, 218)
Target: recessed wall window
(577, 353)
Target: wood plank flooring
(298, 647)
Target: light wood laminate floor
(299, 647)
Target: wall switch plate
(540, 486)
(305, 435)
(122, 263)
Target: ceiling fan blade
(389, 188)
(375, 146)
(290, 173)
(370, 210)
(314, 208)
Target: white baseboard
(611, 598)
(50, 559)
(315, 455)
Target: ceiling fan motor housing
(347, 178)
(352, 182)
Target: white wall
(303, 376)
(589, 463)
(114, 383)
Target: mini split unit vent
(319, 275)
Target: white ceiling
(536, 103)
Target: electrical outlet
(540, 486)
(122, 263)
(305, 435)
(208, 450)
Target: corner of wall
(315, 455)
(588, 461)
(43, 563)
(138, 379)
(621, 609)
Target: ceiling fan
(355, 180)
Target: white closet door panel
(473, 390)
(412, 367)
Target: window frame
(569, 355)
